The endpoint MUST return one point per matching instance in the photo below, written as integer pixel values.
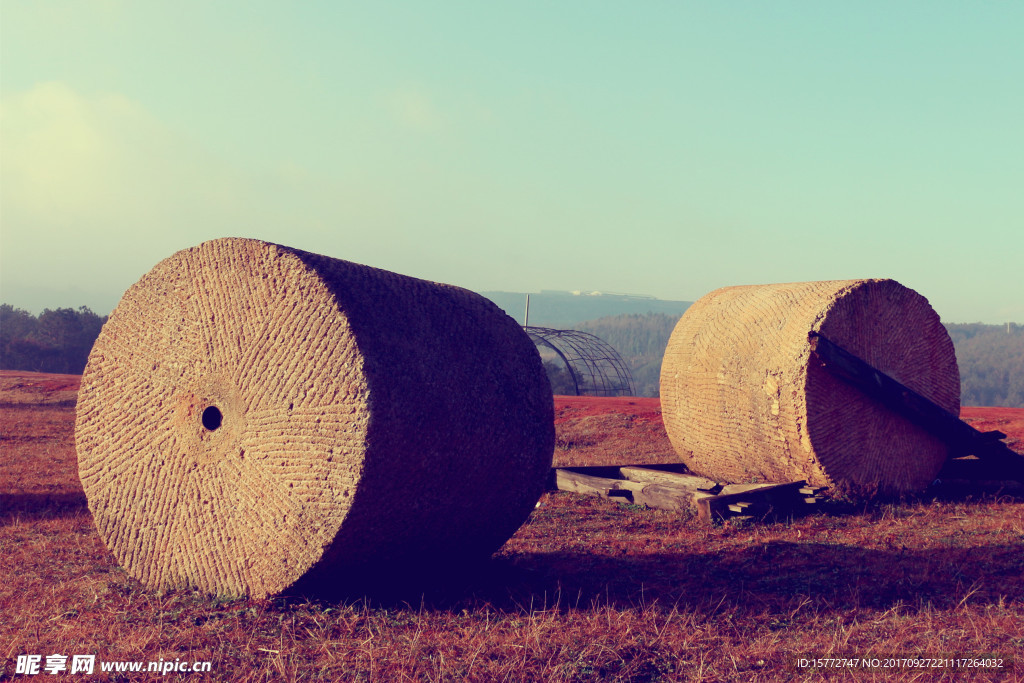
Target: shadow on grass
(14, 506)
(761, 577)
(773, 573)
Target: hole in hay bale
(212, 418)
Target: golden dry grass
(586, 590)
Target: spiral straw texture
(744, 399)
(252, 415)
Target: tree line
(991, 357)
(641, 340)
(54, 341)
(991, 360)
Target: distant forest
(55, 341)
(991, 357)
(991, 360)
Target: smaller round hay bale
(744, 399)
(253, 416)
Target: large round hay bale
(744, 399)
(252, 415)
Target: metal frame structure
(596, 368)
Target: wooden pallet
(669, 487)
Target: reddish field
(586, 590)
(617, 431)
(614, 431)
(1009, 421)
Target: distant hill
(565, 309)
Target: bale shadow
(34, 506)
(766, 577)
(770, 575)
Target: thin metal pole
(526, 322)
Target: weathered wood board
(660, 487)
(1001, 463)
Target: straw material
(743, 398)
(253, 414)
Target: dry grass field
(586, 590)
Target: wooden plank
(665, 497)
(653, 495)
(774, 499)
(752, 500)
(577, 482)
(742, 488)
(594, 471)
(962, 438)
(655, 476)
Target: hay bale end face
(743, 398)
(252, 415)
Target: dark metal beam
(961, 437)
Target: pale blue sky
(659, 148)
